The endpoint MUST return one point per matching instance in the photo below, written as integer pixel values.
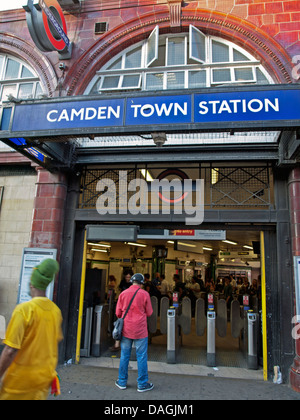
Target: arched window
(179, 61)
(17, 79)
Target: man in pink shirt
(135, 330)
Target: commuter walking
(135, 331)
(30, 355)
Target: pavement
(94, 379)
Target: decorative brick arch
(241, 32)
(11, 44)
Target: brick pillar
(49, 211)
(294, 193)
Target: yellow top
(35, 330)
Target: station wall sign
(273, 107)
(48, 28)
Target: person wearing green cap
(30, 356)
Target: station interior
(210, 261)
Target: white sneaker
(120, 386)
(147, 387)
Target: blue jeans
(142, 360)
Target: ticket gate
(252, 340)
(211, 338)
(85, 350)
(179, 322)
(95, 336)
(176, 324)
(172, 335)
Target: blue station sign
(272, 107)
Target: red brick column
(49, 208)
(294, 192)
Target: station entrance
(222, 273)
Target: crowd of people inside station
(228, 287)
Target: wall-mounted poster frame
(31, 258)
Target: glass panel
(175, 80)
(111, 82)
(39, 90)
(12, 69)
(26, 73)
(197, 45)
(154, 81)
(261, 78)
(238, 56)
(133, 59)
(222, 75)
(117, 65)
(220, 52)
(131, 80)
(1, 65)
(176, 51)
(197, 79)
(8, 90)
(161, 60)
(25, 91)
(243, 75)
(152, 46)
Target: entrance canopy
(48, 130)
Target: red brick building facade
(269, 30)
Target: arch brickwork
(245, 34)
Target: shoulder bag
(118, 325)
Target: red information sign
(175, 298)
(210, 298)
(183, 232)
(246, 300)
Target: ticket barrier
(172, 335)
(85, 350)
(100, 337)
(216, 321)
(95, 337)
(211, 338)
(252, 340)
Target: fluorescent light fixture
(134, 244)
(248, 247)
(171, 242)
(146, 175)
(207, 249)
(230, 242)
(100, 250)
(188, 245)
(103, 245)
(214, 176)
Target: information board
(31, 258)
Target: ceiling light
(146, 174)
(230, 242)
(207, 249)
(103, 245)
(189, 245)
(248, 247)
(134, 244)
(100, 250)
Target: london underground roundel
(179, 175)
(47, 25)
